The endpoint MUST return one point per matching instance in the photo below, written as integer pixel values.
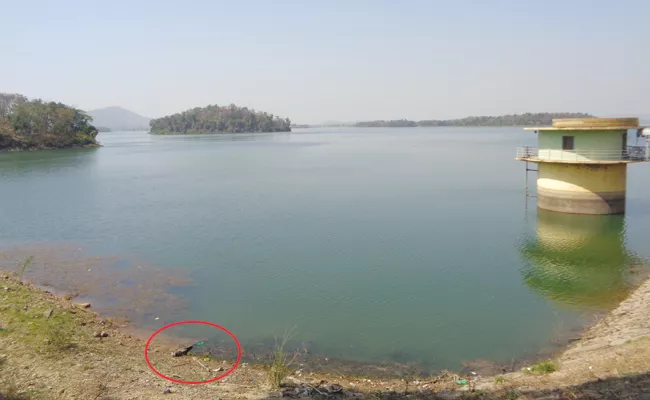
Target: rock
(104, 334)
(48, 313)
(593, 395)
(182, 351)
(335, 388)
(46, 341)
(6, 288)
(167, 390)
(97, 334)
(83, 305)
(218, 369)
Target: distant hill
(119, 119)
(528, 119)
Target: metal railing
(631, 153)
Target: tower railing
(630, 153)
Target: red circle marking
(146, 352)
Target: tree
(34, 124)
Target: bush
(543, 367)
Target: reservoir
(406, 245)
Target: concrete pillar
(582, 188)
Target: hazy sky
(332, 60)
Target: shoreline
(39, 148)
(616, 346)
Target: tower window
(567, 143)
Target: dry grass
(22, 267)
(280, 367)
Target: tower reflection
(578, 260)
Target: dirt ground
(53, 348)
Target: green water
(409, 245)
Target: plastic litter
(461, 381)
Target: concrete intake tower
(582, 164)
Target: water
(407, 245)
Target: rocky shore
(54, 348)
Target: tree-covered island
(34, 124)
(527, 119)
(218, 119)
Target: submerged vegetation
(34, 124)
(215, 119)
(527, 119)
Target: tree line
(214, 118)
(527, 119)
(35, 124)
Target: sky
(316, 61)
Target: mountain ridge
(119, 119)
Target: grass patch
(499, 379)
(11, 392)
(542, 367)
(280, 367)
(22, 312)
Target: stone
(167, 390)
(182, 351)
(97, 334)
(48, 313)
(335, 388)
(84, 305)
(104, 334)
(593, 395)
(6, 288)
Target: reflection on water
(579, 260)
(19, 164)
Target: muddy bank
(136, 296)
(52, 348)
